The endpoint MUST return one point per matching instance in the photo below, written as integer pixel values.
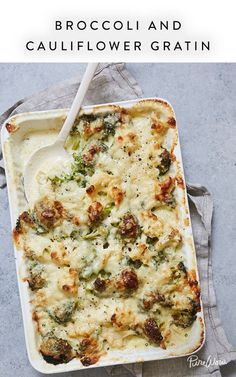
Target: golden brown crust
(95, 212)
(164, 189)
(128, 227)
(11, 127)
(152, 331)
(89, 354)
(91, 190)
(117, 195)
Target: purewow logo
(194, 361)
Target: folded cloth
(112, 82)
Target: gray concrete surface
(204, 97)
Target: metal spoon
(55, 151)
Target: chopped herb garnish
(151, 240)
(103, 146)
(160, 257)
(134, 263)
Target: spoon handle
(76, 105)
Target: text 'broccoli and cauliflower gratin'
(109, 257)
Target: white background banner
(170, 31)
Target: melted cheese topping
(104, 243)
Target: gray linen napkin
(113, 82)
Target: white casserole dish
(11, 145)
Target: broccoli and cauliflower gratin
(104, 242)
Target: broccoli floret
(184, 318)
(81, 167)
(110, 123)
(107, 210)
(63, 312)
(73, 141)
(56, 350)
(165, 163)
(78, 169)
(36, 280)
